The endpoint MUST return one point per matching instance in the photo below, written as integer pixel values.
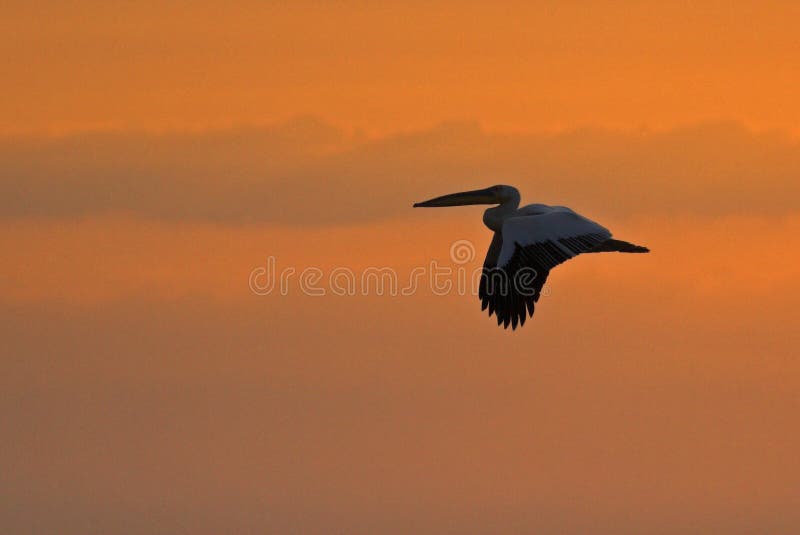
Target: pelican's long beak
(478, 196)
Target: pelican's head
(493, 195)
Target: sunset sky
(153, 154)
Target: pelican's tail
(612, 245)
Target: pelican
(528, 242)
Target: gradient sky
(153, 154)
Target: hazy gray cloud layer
(307, 172)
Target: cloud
(179, 401)
(306, 172)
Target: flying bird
(528, 242)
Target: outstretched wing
(523, 253)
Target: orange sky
(145, 389)
(383, 68)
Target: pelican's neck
(494, 217)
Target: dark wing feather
(512, 290)
(498, 291)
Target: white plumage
(538, 223)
